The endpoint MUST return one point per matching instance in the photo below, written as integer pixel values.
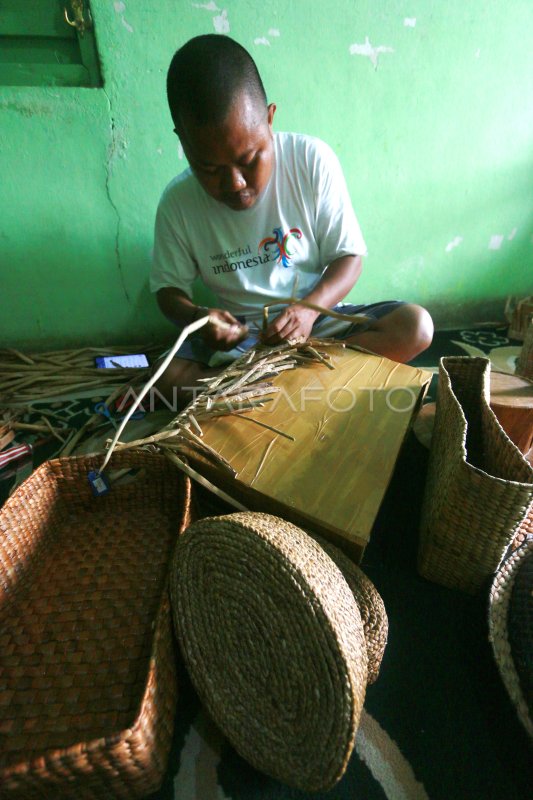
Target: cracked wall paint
(369, 51)
(116, 149)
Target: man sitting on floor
(257, 214)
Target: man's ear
(271, 111)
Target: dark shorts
(195, 349)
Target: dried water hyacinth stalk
(29, 377)
(184, 466)
(237, 379)
(289, 301)
(11, 425)
(243, 386)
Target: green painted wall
(433, 128)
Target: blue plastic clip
(98, 482)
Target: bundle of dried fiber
(243, 386)
(25, 378)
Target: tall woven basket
(479, 491)
(87, 670)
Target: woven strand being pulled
(274, 643)
(242, 386)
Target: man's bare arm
(179, 309)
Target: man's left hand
(294, 324)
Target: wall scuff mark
(409, 22)
(114, 147)
(26, 109)
(211, 6)
(120, 8)
(454, 243)
(369, 51)
(272, 32)
(221, 22)
(512, 234)
(496, 241)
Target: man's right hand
(223, 331)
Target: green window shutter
(39, 48)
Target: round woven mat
(274, 644)
(503, 598)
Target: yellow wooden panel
(348, 425)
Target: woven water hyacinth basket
(369, 603)
(274, 642)
(87, 669)
(479, 490)
(511, 629)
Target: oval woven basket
(87, 668)
(369, 602)
(274, 644)
(504, 598)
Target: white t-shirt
(302, 221)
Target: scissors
(101, 408)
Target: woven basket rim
(485, 401)
(118, 455)
(499, 598)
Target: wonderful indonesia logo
(277, 248)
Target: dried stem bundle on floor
(25, 378)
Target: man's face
(233, 161)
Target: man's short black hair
(205, 76)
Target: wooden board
(348, 425)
